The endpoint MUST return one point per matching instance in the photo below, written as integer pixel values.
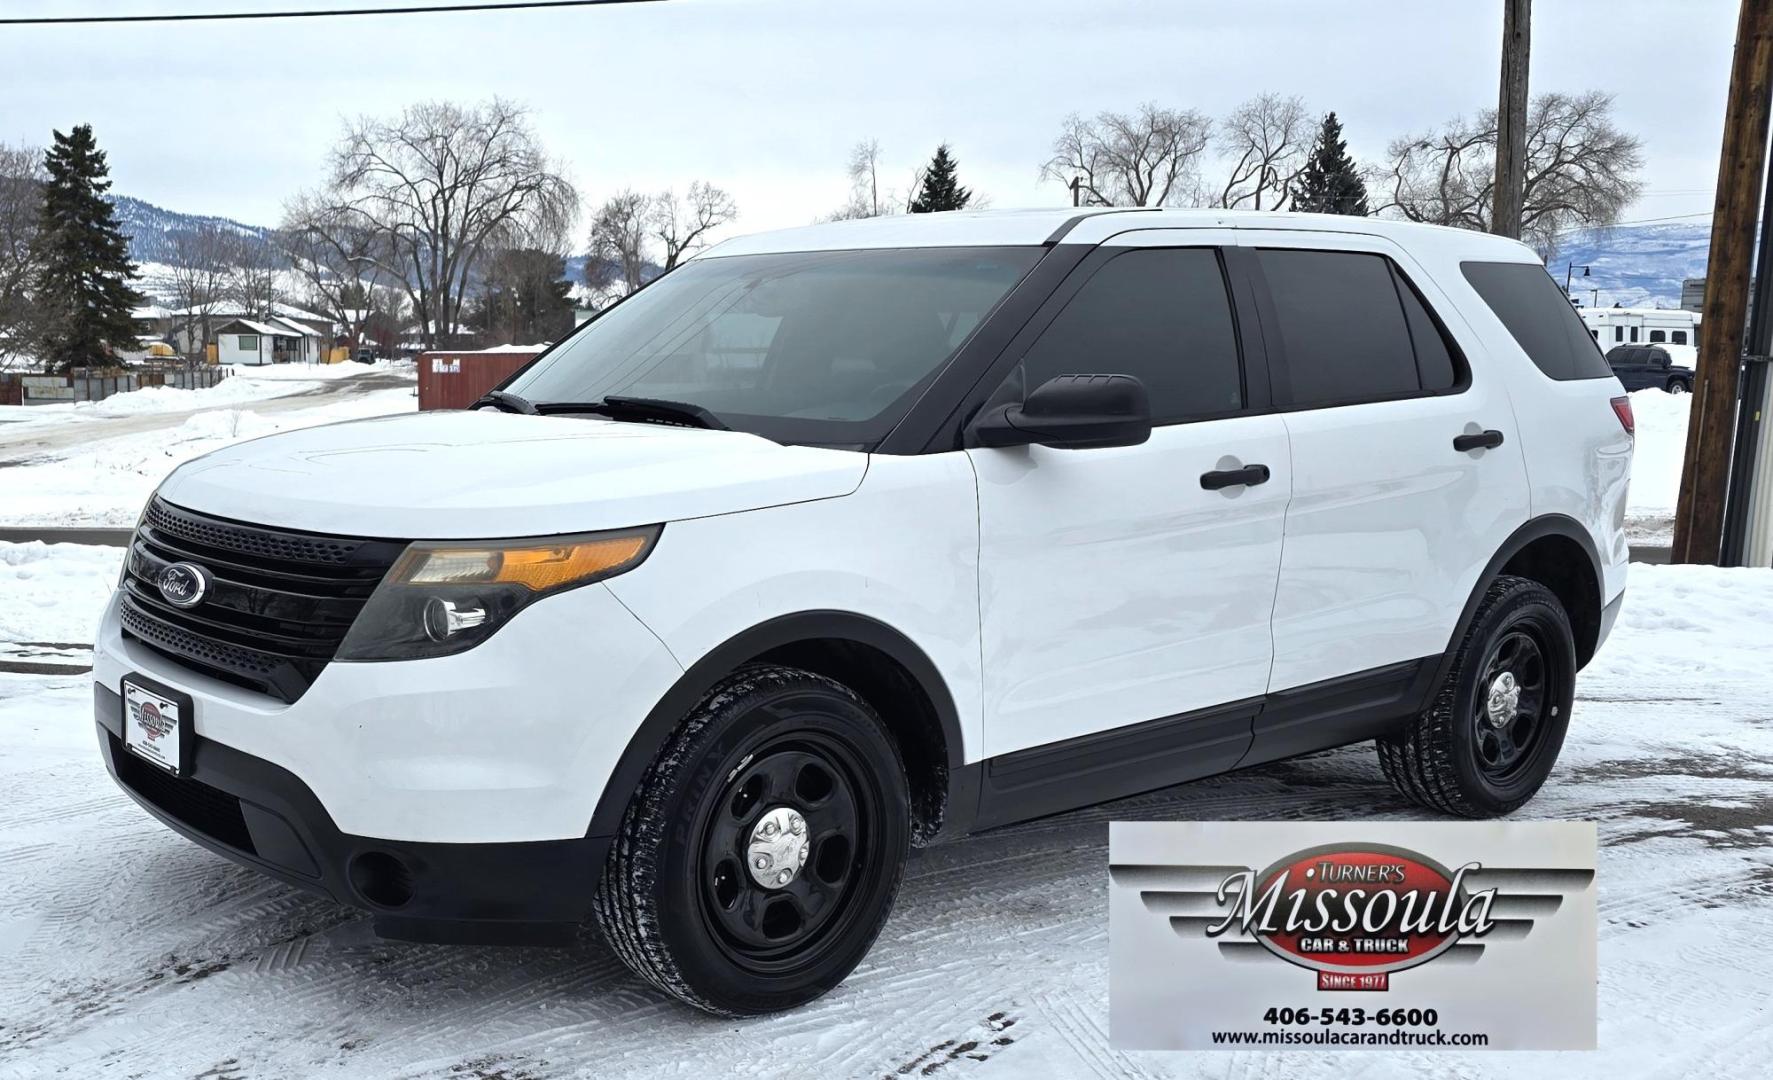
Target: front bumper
(509, 742)
(263, 816)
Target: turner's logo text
(1361, 909)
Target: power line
(324, 13)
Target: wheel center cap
(778, 847)
(1504, 700)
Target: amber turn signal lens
(542, 569)
(539, 567)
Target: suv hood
(485, 475)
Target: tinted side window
(1539, 317)
(1161, 314)
(1658, 336)
(1680, 337)
(1434, 357)
(1341, 325)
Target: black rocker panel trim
(1112, 764)
(1337, 712)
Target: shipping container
(456, 380)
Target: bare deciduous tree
(344, 261)
(617, 263)
(253, 271)
(21, 209)
(1141, 159)
(196, 279)
(1266, 139)
(445, 184)
(1581, 170)
(867, 199)
(682, 226)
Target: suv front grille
(278, 604)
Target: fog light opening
(443, 618)
(381, 879)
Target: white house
(184, 325)
(275, 340)
(1674, 329)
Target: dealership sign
(1457, 935)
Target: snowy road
(127, 951)
(43, 439)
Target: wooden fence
(85, 386)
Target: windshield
(825, 347)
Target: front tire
(1678, 386)
(1489, 739)
(761, 854)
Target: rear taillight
(1622, 409)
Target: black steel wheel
(1512, 704)
(768, 912)
(763, 851)
(1490, 737)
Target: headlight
(445, 597)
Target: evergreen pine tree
(1330, 183)
(84, 284)
(941, 190)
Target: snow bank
(244, 385)
(1656, 462)
(54, 592)
(107, 481)
(1686, 623)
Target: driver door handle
(1249, 476)
(1484, 440)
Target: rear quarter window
(1539, 317)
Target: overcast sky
(765, 97)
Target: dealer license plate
(156, 726)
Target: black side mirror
(1072, 412)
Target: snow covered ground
(96, 463)
(128, 951)
(1656, 465)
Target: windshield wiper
(659, 410)
(506, 401)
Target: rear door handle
(1249, 476)
(1483, 440)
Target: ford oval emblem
(183, 584)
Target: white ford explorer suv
(843, 540)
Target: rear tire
(1678, 386)
(700, 898)
(1489, 739)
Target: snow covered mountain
(151, 228)
(1634, 265)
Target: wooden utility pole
(1511, 119)
(1705, 475)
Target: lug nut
(782, 878)
(762, 863)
